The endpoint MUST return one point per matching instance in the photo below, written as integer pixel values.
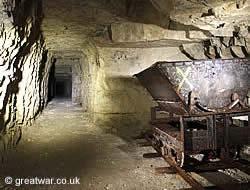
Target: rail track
(193, 165)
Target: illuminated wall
(23, 68)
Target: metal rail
(184, 173)
(187, 177)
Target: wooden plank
(165, 170)
(152, 155)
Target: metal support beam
(226, 136)
(211, 132)
(182, 131)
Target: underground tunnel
(63, 78)
(128, 94)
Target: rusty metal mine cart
(206, 107)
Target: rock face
(194, 44)
(23, 69)
(219, 17)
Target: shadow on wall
(20, 17)
(26, 45)
(42, 94)
(122, 106)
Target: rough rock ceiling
(72, 22)
(207, 14)
(69, 24)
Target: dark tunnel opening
(64, 87)
(60, 82)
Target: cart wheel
(177, 157)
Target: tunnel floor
(62, 143)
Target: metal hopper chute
(197, 86)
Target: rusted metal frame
(175, 169)
(211, 132)
(226, 108)
(187, 177)
(182, 127)
(249, 119)
(182, 172)
(226, 136)
(236, 112)
(239, 114)
(172, 142)
(195, 118)
(164, 120)
(158, 108)
(153, 112)
(161, 82)
(215, 132)
(211, 129)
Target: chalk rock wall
(23, 69)
(120, 100)
(122, 104)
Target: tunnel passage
(60, 82)
(66, 79)
(63, 81)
